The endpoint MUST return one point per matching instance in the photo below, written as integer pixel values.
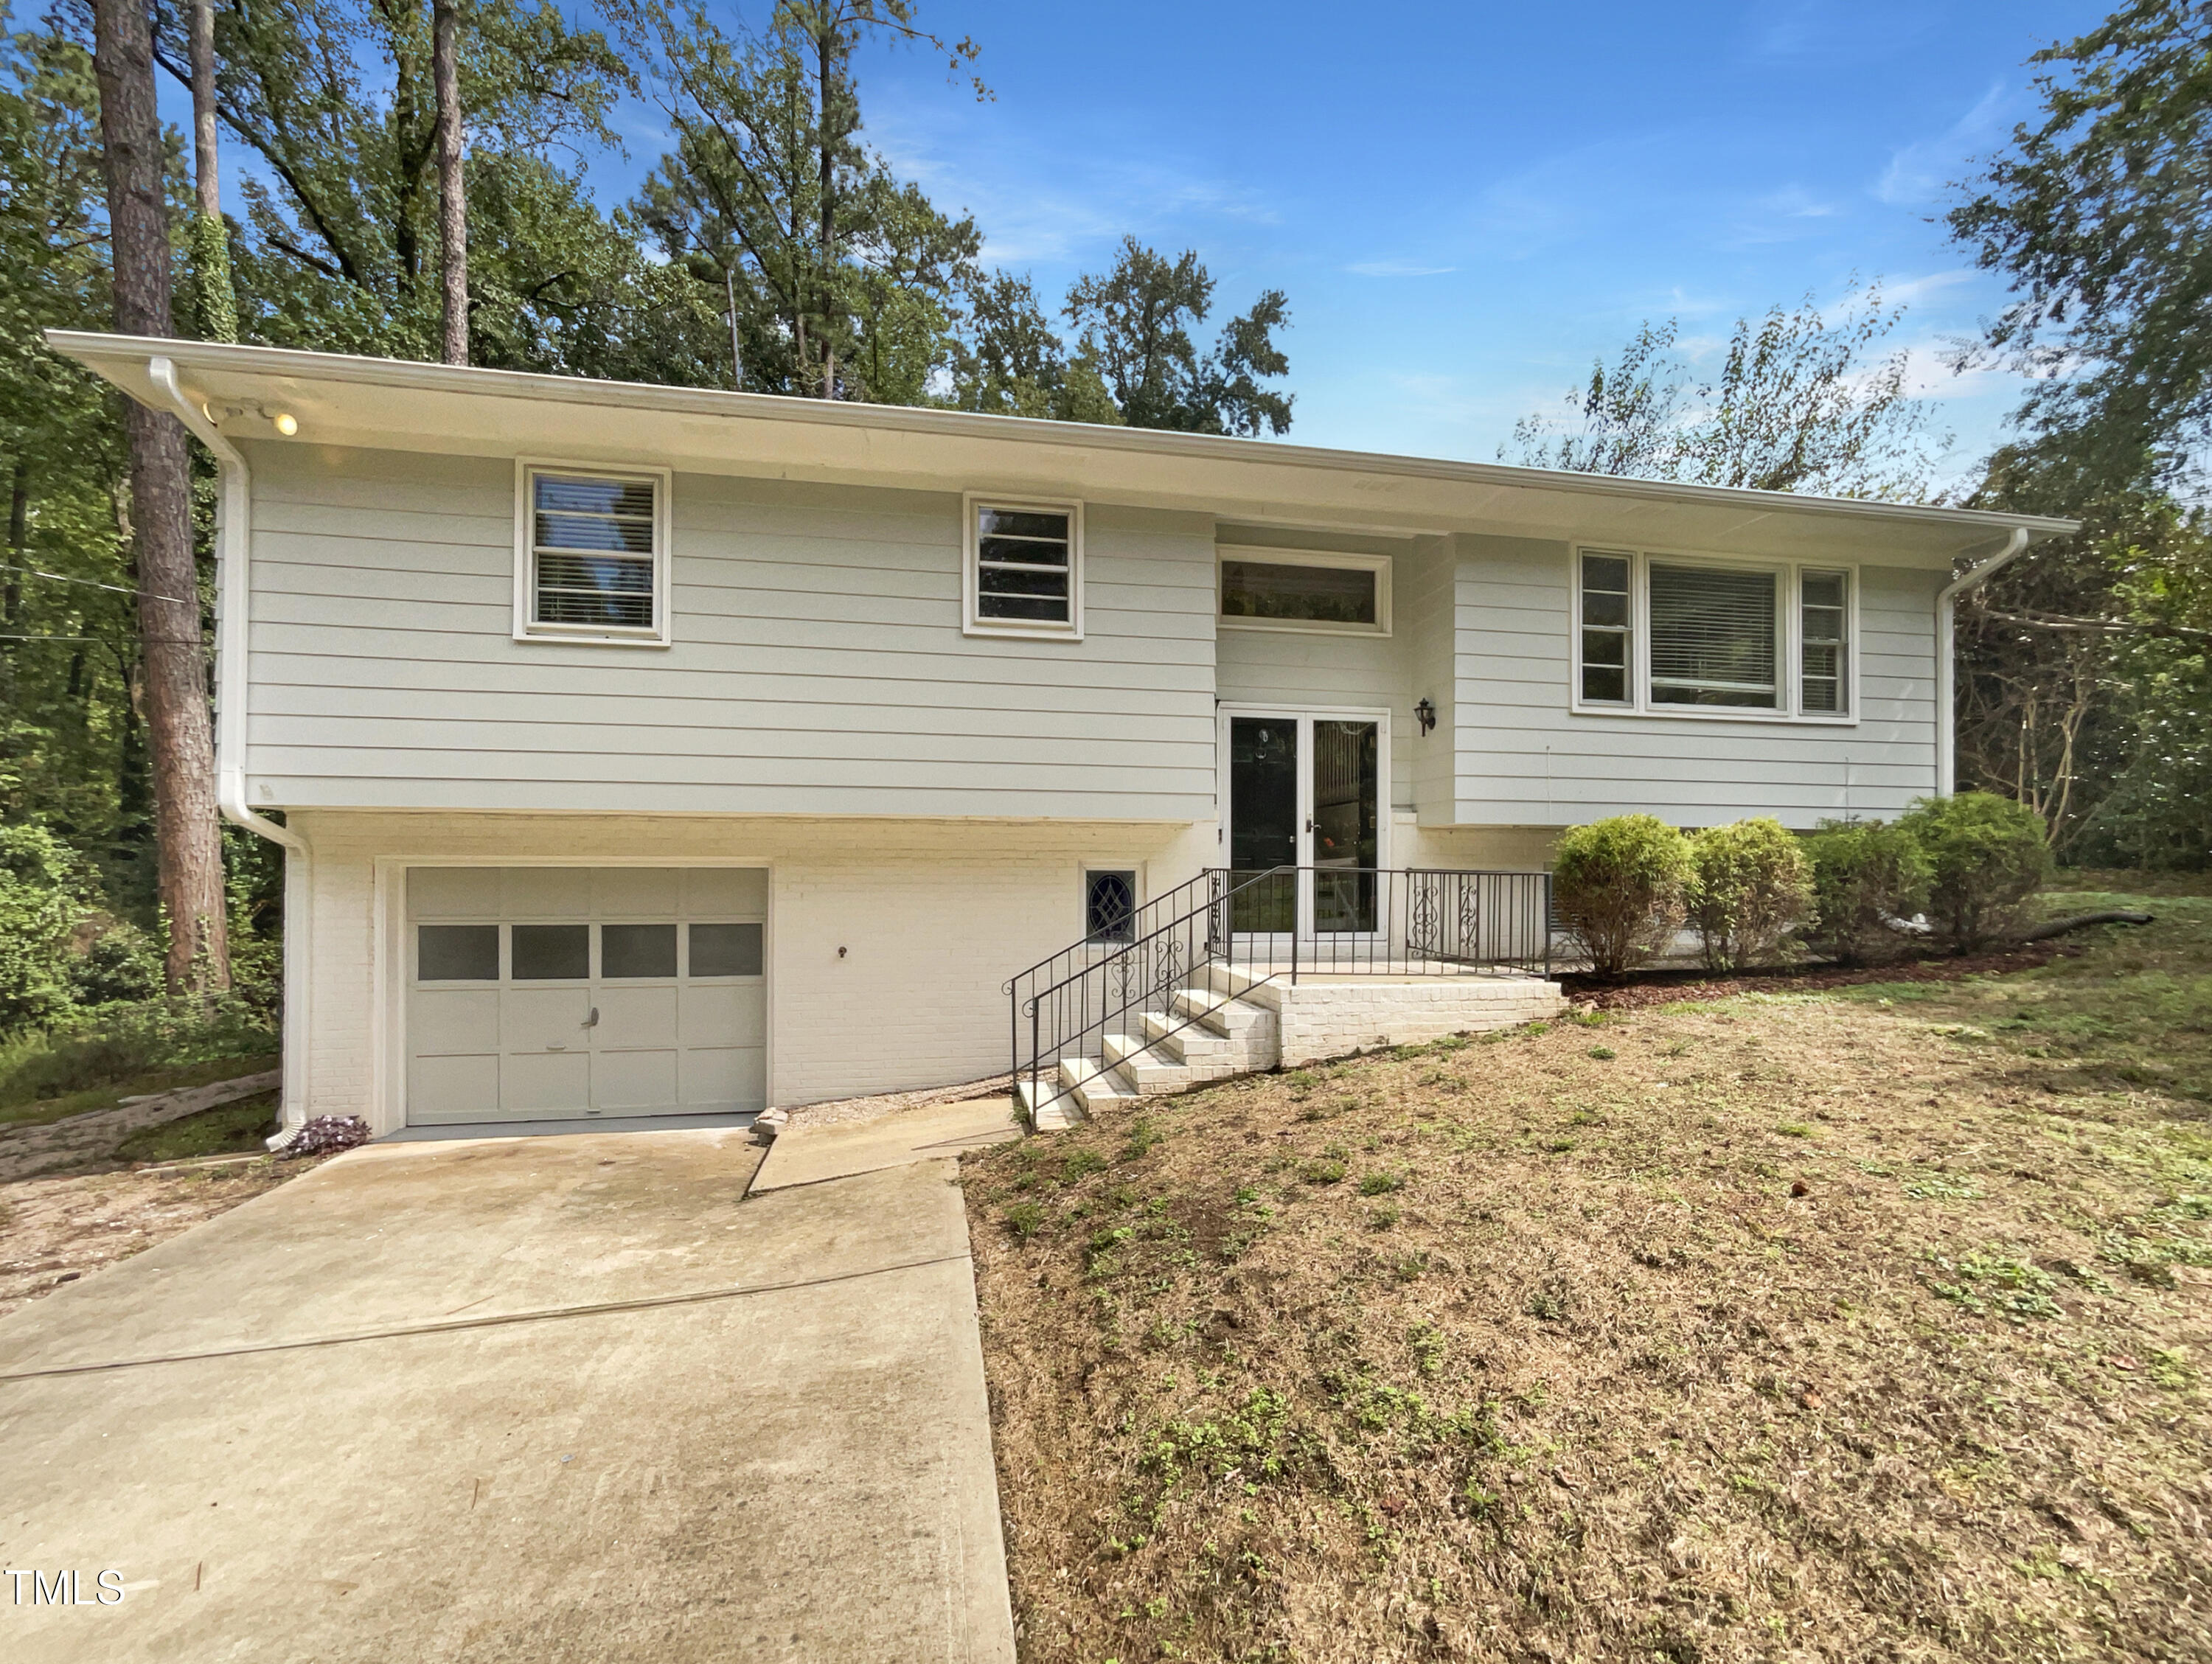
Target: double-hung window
(1677, 635)
(591, 554)
(1024, 568)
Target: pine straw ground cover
(1814, 1327)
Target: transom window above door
(1676, 635)
(1286, 589)
(1024, 568)
(591, 555)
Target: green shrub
(1863, 872)
(45, 890)
(120, 965)
(1620, 885)
(115, 1044)
(1986, 855)
(1750, 886)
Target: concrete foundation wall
(1322, 1019)
(933, 916)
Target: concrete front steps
(1232, 1021)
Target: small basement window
(1024, 568)
(593, 556)
(1110, 905)
(1303, 590)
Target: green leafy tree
(45, 891)
(1804, 401)
(844, 280)
(2101, 216)
(1013, 363)
(1136, 322)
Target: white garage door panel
(450, 1019)
(452, 1089)
(488, 1047)
(711, 1078)
(733, 1010)
(635, 1080)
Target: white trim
(1028, 629)
(526, 628)
(390, 977)
(106, 353)
(1789, 624)
(1340, 559)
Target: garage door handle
(592, 1021)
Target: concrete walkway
(520, 1399)
(810, 1155)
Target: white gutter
(234, 576)
(233, 581)
(1947, 740)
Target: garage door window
(627, 950)
(457, 953)
(552, 953)
(726, 950)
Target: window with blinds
(1024, 568)
(1714, 639)
(1824, 611)
(594, 559)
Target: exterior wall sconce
(1426, 714)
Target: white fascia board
(387, 403)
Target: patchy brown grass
(1816, 1327)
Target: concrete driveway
(548, 1398)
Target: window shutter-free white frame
(528, 625)
(972, 622)
(1788, 579)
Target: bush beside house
(1864, 874)
(1986, 855)
(1623, 885)
(1751, 886)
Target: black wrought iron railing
(1283, 923)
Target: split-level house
(641, 750)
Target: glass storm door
(1305, 792)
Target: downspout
(233, 581)
(1947, 739)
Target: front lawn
(1868, 1323)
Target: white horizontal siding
(817, 664)
(1524, 758)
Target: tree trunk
(826, 61)
(452, 199)
(211, 238)
(188, 837)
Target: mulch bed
(1666, 986)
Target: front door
(1305, 792)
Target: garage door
(549, 993)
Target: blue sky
(1466, 202)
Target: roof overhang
(393, 404)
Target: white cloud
(1922, 171)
